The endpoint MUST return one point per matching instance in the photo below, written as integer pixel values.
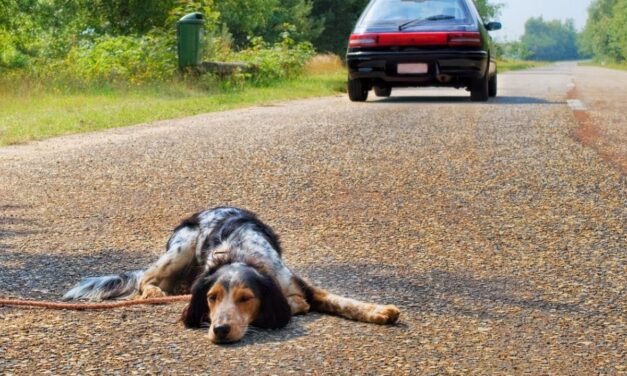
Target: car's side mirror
(492, 26)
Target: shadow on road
(296, 328)
(515, 100)
(43, 275)
(522, 100)
(8, 224)
(438, 292)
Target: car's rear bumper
(446, 68)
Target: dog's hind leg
(162, 277)
(326, 302)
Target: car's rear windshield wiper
(418, 21)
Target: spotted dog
(231, 262)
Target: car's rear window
(414, 15)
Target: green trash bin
(189, 40)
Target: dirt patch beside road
(603, 124)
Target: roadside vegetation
(506, 65)
(605, 37)
(69, 66)
(603, 41)
(31, 114)
(544, 40)
(604, 64)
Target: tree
(550, 40)
(268, 18)
(488, 10)
(338, 18)
(605, 34)
(244, 18)
(295, 16)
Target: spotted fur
(231, 251)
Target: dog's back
(190, 248)
(233, 225)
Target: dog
(231, 263)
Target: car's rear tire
(480, 91)
(357, 90)
(493, 86)
(382, 91)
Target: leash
(91, 306)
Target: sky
(516, 12)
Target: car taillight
(363, 40)
(464, 39)
(417, 39)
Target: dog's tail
(108, 287)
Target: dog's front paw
(385, 315)
(151, 292)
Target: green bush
(549, 40)
(110, 42)
(10, 56)
(605, 35)
(281, 60)
(120, 59)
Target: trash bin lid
(192, 18)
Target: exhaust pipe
(444, 78)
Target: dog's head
(231, 297)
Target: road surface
(496, 231)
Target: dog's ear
(196, 314)
(274, 311)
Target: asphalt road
(499, 235)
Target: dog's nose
(221, 331)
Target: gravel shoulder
(603, 124)
(499, 236)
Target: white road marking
(576, 105)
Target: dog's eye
(244, 299)
(212, 298)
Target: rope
(93, 306)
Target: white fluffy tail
(108, 287)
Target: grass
(512, 65)
(40, 114)
(35, 112)
(604, 64)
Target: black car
(410, 43)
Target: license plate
(413, 68)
